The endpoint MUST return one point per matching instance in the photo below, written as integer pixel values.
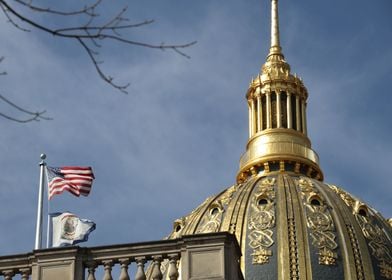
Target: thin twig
(10, 20)
(88, 10)
(1, 60)
(36, 116)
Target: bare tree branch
(4, 72)
(10, 20)
(87, 10)
(88, 36)
(34, 116)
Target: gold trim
(282, 230)
(356, 252)
(295, 238)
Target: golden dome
(289, 224)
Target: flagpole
(49, 225)
(49, 231)
(38, 229)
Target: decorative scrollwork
(228, 195)
(322, 232)
(211, 221)
(319, 221)
(381, 246)
(261, 221)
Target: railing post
(173, 270)
(156, 270)
(91, 266)
(107, 265)
(124, 269)
(140, 275)
(25, 272)
(8, 274)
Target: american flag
(75, 179)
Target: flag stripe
(74, 179)
(76, 168)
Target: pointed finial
(275, 40)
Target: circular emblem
(69, 225)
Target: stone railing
(203, 256)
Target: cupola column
(288, 104)
(298, 114)
(250, 117)
(304, 128)
(278, 115)
(268, 100)
(254, 116)
(259, 111)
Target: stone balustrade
(203, 256)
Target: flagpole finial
(43, 157)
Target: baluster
(25, 272)
(140, 275)
(108, 270)
(91, 266)
(124, 269)
(173, 271)
(8, 274)
(156, 271)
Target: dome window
(315, 202)
(178, 228)
(214, 211)
(262, 201)
(362, 212)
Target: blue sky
(177, 137)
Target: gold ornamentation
(327, 257)
(211, 222)
(380, 245)
(348, 199)
(228, 195)
(305, 184)
(386, 270)
(293, 250)
(261, 221)
(389, 221)
(319, 221)
(261, 255)
(322, 228)
(183, 222)
(356, 252)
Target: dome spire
(275, 38)
(277, 102)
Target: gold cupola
(276, 98)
